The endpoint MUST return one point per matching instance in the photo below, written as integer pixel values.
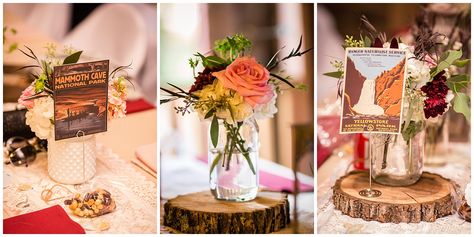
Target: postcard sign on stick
(80, 98)
(374, 82)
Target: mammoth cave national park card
(374, 82)
(80, 98)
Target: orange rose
(249, 79)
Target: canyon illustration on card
(373, 90)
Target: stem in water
(410, 158)
(385, 151)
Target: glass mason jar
(397, 162)
(233, 173)
(437, 141)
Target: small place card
(80, 98)
(374, 82)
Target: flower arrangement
(38, 96)
(232, 87)
(433, 80)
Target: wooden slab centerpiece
(428, 199)
(201, 213)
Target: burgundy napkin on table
(139, 105)
(271, 180)
(52, 220)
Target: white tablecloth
(331, 221)
(134, 194)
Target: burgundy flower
(377, 43)
(394, 44)
(436, 92)
(204, 78)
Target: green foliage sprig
(232, 47)
(13, 46)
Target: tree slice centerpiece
(428, 199)
(201, 213)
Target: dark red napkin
(139, 105)
(52, 220)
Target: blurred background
(123, 33)
(189, 28)
(335, 21)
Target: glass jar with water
(233, 163)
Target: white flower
(40, 116)
(449, 97)
(445, 41)
(267, 110)
(418, 71)
(457, 45)
(452, 70)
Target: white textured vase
(72, 161)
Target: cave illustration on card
(80, 99)
(373, 90)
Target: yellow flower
(223, 100)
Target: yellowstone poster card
(80, 98)
(374, 83)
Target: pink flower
(430, 60)
(29, 91)
(249, 79)
(115, 100)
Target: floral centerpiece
(64, 156)
(38, 97)
(433, 84)
(231, 91)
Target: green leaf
(457, 82)
(12, 47)
(209, 113)
(301, 86)
(73, 58)
(367, 42)
(247, 157)
(461, 62)
(461, 104)
(215, 162)
(214, 60)
(336, 74)
(39, 86)
(193, 63)
(214, 131)
(446, 60)
(211, 61)
(411, 130)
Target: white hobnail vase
(73, 160)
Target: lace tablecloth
(134, 194)
(331, 221)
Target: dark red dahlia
(394, 43)
(436, 92)
(377, 43)
(204, 78)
